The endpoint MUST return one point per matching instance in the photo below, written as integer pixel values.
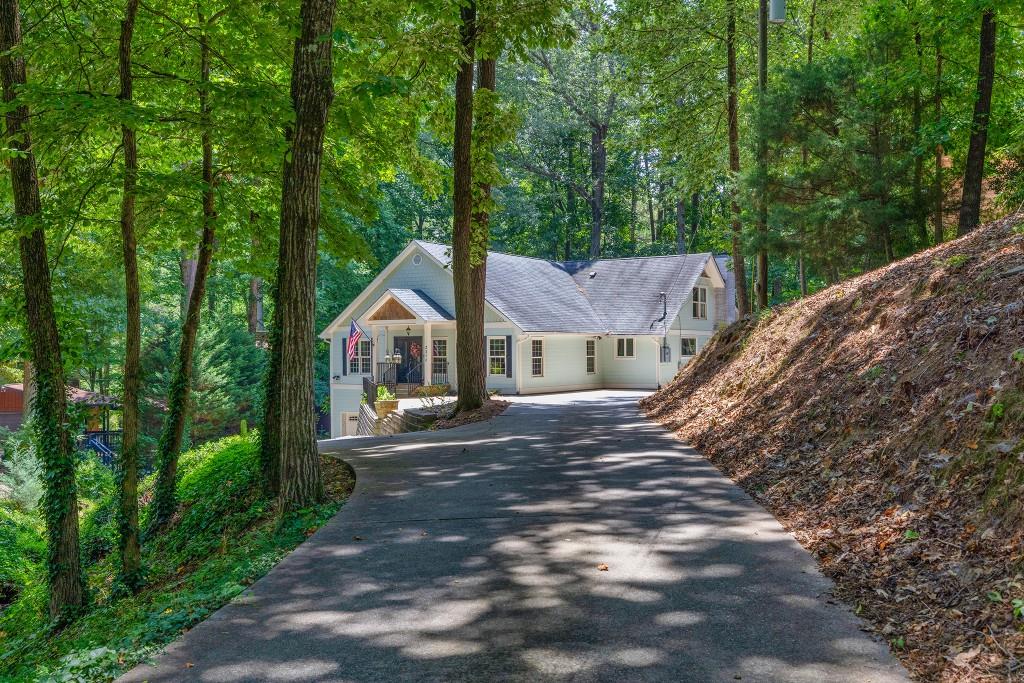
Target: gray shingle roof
(417, 301)
(622, 297)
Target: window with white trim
(700, 303)
(537, 357)
(361, 363)
(625, 347)
(496, 356)
(591, 356)
(439, 357)
(689, 346)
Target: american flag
(354, 335)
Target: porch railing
(387, 374)
(370, 391)
(439, 371)
(106, 444)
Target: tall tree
(938, 191)
(468, 264)
(761, 285)
(312, 91)
(732, 113)
(970, 206)
(169, 445)
(128, 462)
(49, 408)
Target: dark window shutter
(344, 355)
(508, 355)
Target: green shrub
(23, 474)
(385, 394)
(222, 538)
(22, 550)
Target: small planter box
(385, 408)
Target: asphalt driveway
(474, 554)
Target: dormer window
(700, 303)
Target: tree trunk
(970, 206)
(633, 201)
(187, 265)
(169, 445)
(570, 201)
(650, 199)
(128, 461)
(917, 190)
(469, 311)
(694, 217)
(270, 433)
(680, 225)
(762, 157)
(938, 229)
(598, 166)
(254, 308)
(49, 409)
(312, 91)
(738, 264)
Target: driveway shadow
(478, 554)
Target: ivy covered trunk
(469, 305)
(169, 445)
(49, 409)
(974, 172)
(270, 432)
(312, 90)
(128, 462)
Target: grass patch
(224, 536)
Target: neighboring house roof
(75, 395)
(605, 296)
(419, 303)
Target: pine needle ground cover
(882, 421)
(224, 536)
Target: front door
(410, 370)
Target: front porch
(412, 339)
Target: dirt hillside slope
(882, 420)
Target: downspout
(657, 361)
(519, 365)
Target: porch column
(428, 355)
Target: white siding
(565, 364)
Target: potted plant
(386, 402)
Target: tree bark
(469, 311)
(938, 228)
(312, 91)
(49, 424)
(680, 225)
(254, 308)
(598, 168)
(762, 157)
(917, 189)
(694, 216)
(738, 264)
(650, 200)
(970, 206)
(270, 433)
(128, 462)
(169, 445)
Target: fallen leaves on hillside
(882, 421)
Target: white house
(627, 323)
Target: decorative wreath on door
(415, 350)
